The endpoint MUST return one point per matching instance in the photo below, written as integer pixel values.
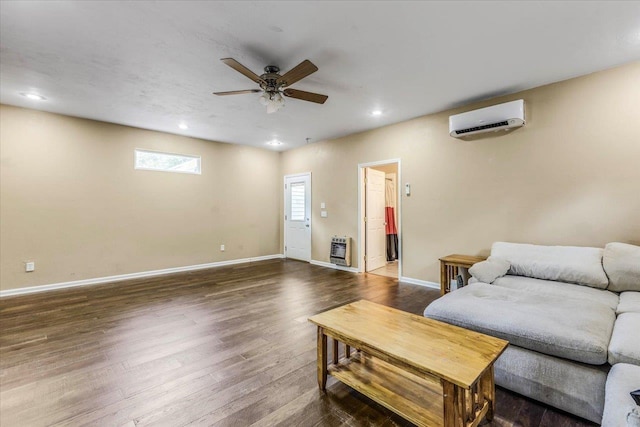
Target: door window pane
(297, 201)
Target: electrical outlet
(29, 266)
(221, 248)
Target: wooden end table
(449, 266)
(429, 372)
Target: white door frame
(361, 226)
(284, 221)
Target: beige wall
(570, 176)
(71, 201)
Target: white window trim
(144, 150)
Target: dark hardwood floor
(226, 347)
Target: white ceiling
(155, 64)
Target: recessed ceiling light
(274, 142)
(33, 96)
(376, 113)
(183, 126)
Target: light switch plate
(29, 266)
(323, 205)
(323, 214)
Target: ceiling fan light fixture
(272, 107)
(264, 99)
(273, 101)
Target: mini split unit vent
(490, 119)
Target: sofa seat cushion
(625, 340)
(622, 264)
(618, 404)
(629, 303)
(572, 329)
(559, 290)
(571, 264)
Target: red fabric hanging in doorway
(390, 218)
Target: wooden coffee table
(429, 372)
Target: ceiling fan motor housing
(271, 76)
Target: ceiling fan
(273, 85)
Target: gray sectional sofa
(569, 313)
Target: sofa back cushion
(569, 264)
(561, 290)
(490, 269)
(622, 264)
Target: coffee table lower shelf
(415, 399)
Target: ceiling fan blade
(243, 70)
(305, 96)
(237, 92)
(298, 72)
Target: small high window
(167, 162)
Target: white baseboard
(424, 283)
(120, 277)
(409, 280)
(334, 266)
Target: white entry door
(297, 217)
(375, 237)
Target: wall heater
(340, 251)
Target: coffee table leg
(449, 403)
(455, 409)
(488, 390)
(322, 359)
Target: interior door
(375, 237)
(297, 217)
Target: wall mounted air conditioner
(490, 119)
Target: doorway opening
(379, 212)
